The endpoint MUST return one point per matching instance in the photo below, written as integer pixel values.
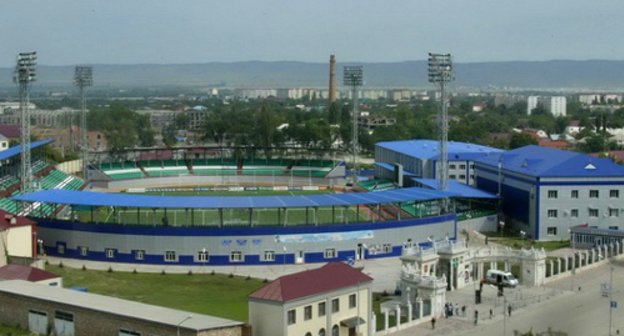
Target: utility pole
(354, 77)
(25, 73)
(83, 77)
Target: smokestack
(332, 79)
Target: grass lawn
(217, 295)
(517, 242)
(6, 330)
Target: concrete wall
(267, 318)
(19, 241)
(3, 256)
(481, 224)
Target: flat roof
(428, 149)
(115, 306)
(456, 187)
(89, 198)
(17, 150)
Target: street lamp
(441, 73)
(353, 76)
(180, 323)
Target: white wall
(19, 242)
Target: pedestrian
(476, 317)
(433, 321)
(463, 310)
(457, 309)
(509, 310)
(446, 310)
(491, 313)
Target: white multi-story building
(532, 102)
(557, 106)
(335, 300)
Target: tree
(520, 140)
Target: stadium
(216, 206)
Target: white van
(496, 277)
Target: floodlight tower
(353, 76)
(441, 73)
(25, 73)
(83, 77)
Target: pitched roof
(539, 161)
(5, 220)
(10, 131)
(428, 149)
(332, 276)
(21, 272)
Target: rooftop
(539, 161)
(428, 149)
(22, 272)
(17, 150)
(330, 277)
(456, 187)
(5, 220)
(115, 306)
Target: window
(574, 194)
(124, 332)
(170, 256)
(64, 316)
(462, 177)
(614, 227)
(139, 254)
(551, 231)
(614, 212)
(352, 301)
(335, 305)
(593, 212)
(387, 248)
(552, 213)
(472, 166)
(462, 166)
(110, 253)
(83, 251)
(60, 248)
(330, 253)
(552, 193)
(593, 194)
(335, 330)
(452, 177)
(292, 316)
(308, 334)
(269, 256)
(321, 332)
(574, 213)
(321, 309)
(614, 193)
(307, 313)
(236, 256)
(202, 256)
(452, 166)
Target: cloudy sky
(67, 32)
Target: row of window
(593, 193)
(461, 166)
(307, 310)
(461, 177)
(203, 256)
(591, 212)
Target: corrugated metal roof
(17, 150)
(22, 272)
(428, 149)
(549, 162)
(457, 188)
(330, 277)
(88, 198)
(115, 306)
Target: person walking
(509, 310)
(433, 321)
(476, 317)
(491, 313)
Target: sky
(67, 32)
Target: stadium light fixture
(353, 76)
(83, 77)
(440, 73)
(25, 73)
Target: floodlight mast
(353, 76)
(441, 73)
(25, 73)
(83, 77)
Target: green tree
(520, 140)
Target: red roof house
(32, 274)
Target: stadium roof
(457, 188)
(17, 150)
(549, 162)
(89, 198)
(330, 277)
(428, 149)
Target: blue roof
(457, 188)
(539, 161)
(390, 167)
(88, 198)
(428, 149)
(17, 150)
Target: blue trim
(537, 212)
(238, 231)
(582, 183)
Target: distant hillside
(254, 74)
